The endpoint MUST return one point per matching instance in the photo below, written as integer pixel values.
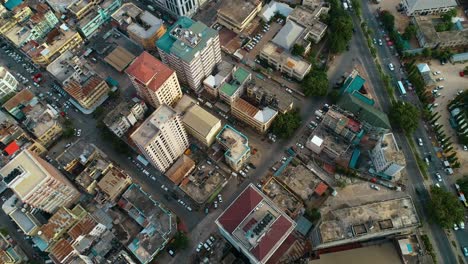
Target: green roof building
(229, 91)
(192, 49)
(374, 121)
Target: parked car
(391, 67)
(420, 142)
(375, 187)
(439, 178)
(440, 79)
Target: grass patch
(215, 194)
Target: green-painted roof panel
(364, 112)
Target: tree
(180, 241)
(340, 25)
(312, 214)
(427, 52)
(405, 116)
(297, 50)
(285, 125)
(388, 20)
(315, 83)
(410, 32)
(444, 208)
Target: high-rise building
(37, 183)
(8, 83)
(192, 49)
(161, 138)
(255, 226)
(178, 7)
(156, 83)
(387, 157)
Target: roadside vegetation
(463, 183)
(315, 83)
(338, 20)
(405, 116)
(444, 208)
(285, 125)
(429, 248)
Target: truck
(446, 164)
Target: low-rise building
(154, 81)
(41, 120)
(281, 60)
(428, 37)
(114, 182)
(68, 66)
(10, 253)
(80, 8)
(201, 124)
(180, 169)
(269, 95)
(236, 146)
(35, 27)
(254, 225)
(387, 158)
(427, 7)
(119, 58)
(259, 119)
(309, 19)
(236, 15)
(125, 115)
(223, 73)
(23, 217)
(8, 82)
(158, 223)
(143, 27)
(233, 89)
(57, 41)
(9, 19)
(382, 219)
(272, 8)
(89, 92)
(99, 14)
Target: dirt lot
(401, 20)
(452, 84)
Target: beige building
(43, 123)
(236, 15)
(57, 42)
(192, 49)
(283, 61)
(155, 82)
(309, 19)
(143, 27)
(161, 138)
(89, 92)
(114, 183)
(38, 183)
(201, 124)
(80, 8)
(8, 83)
(259, 119)
(9, 19)
(125, 115)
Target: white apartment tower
(161, 138)
(178, 7)
(37, 183)
(156, 83)
(8, 83)
(192, 49)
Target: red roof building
(255, 226)
(11, 148)
(321, 188)
(154, 81)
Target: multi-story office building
(8, 83)
(387, 158)
(178, 7)
(192, 49)
(154, 81)
(161, 138)
(37, 183)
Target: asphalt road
(416, 181)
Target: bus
(401, 88)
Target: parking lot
(452, 84)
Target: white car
(420, 142)
(439, 178)
(164, 187)
(391, 67)
(199, 247)
(215, 204)
(220, 198)
(455, 227)
(462, 225)
(465, 148)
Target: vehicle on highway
(164, 187)
(439, 178)
(391, 67)
(420, 142)
(380, 42)
(465, 251)
(455, 227)
(462, 225)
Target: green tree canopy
(444, 208)
(339, 21)
(463, 182)
(180, 241)
(315, 83)
(388, 20)
(297, 50)
(285, 125)
(405, 116)
(410, 32)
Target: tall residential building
(255, 226)
(192, 49)
(161, 138)
(154, 81)
(8, 83)
(37, 183)
(387, 158)
(178, 7)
